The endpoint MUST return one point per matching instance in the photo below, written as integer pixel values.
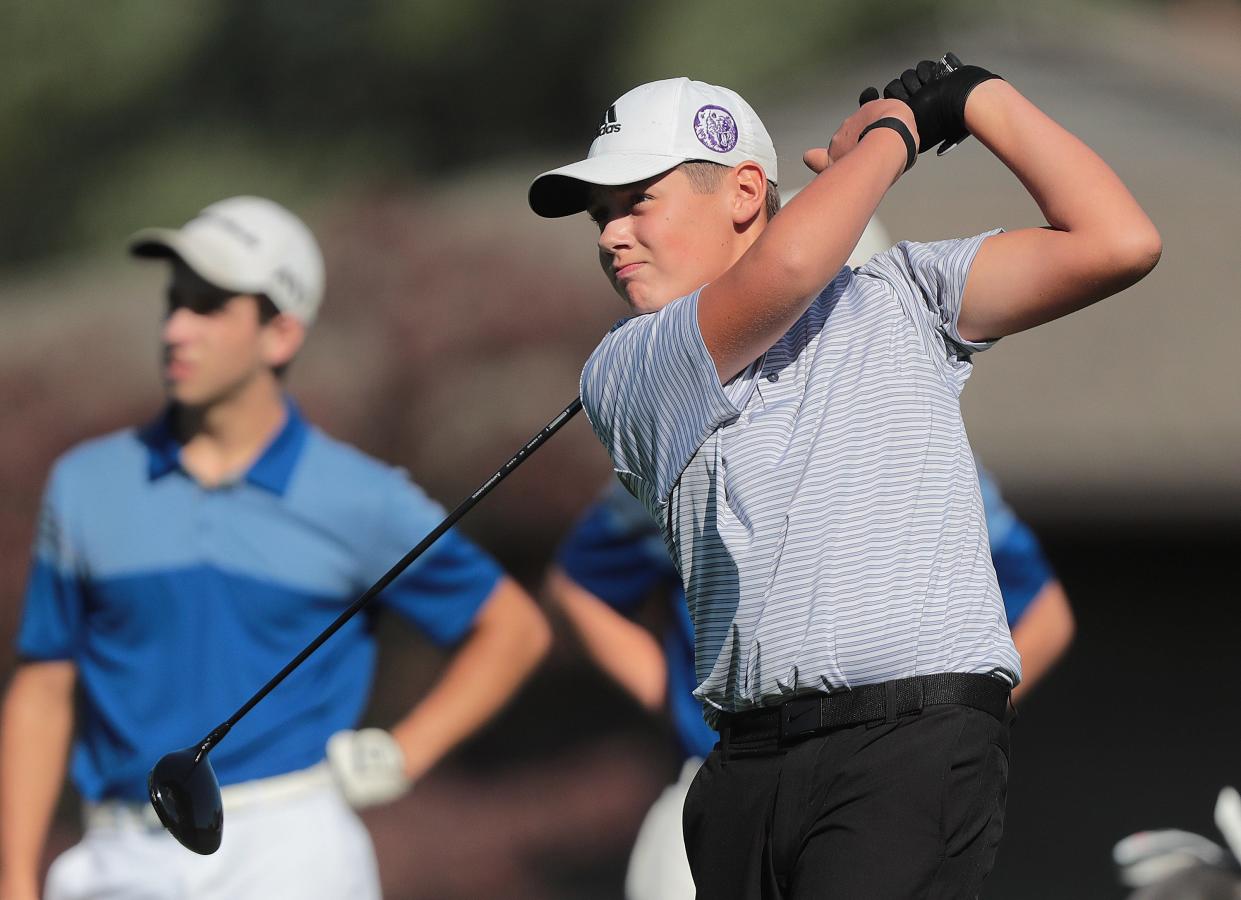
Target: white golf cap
(651, 129)
(248, 245)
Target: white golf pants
(658, 865)
(288, 836)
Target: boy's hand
(936, 93)
(846, 136)
(368, 766)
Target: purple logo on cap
(716, 128)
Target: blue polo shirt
(617, 553)
(177, 602)
(1020, 566)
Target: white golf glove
(368, 765)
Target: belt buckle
(799, 718)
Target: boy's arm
(623, 649)
(748, 308)
(1042, 635)
(1098, 240)
(509, 638)
(35, 728)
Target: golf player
(179, 565)
(614, 562)
(794, 427)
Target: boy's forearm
(1043, 635)
(751, 305)
(36, 725)
(810, 240)
(1073, 187)
(1099, 241)
(623, 649)
(509, 639)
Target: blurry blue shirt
(618, 554)
(177, 602)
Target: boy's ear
(282, 338)
(749, 192)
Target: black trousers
(909, 809)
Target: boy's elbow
(540, 638)
(517, 622)
(1135, 252)
(797, 273)
(533, 633)
(1146, 249)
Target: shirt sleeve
(53, 610)
(1020, 566)
(929, 280)
(443, 590)
(616, 552)
(653, 396)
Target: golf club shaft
(217, 734)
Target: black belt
(869, 704)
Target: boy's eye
(601, 215)
(204, 303)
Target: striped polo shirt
(176, 601)
(822, 507)
(616, 552)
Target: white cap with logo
(651, 129)
(248, 245)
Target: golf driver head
(186, 796)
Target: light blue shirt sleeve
(54, 602)
(652, 395)
(444, 589)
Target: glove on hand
(368, 766)
(936, 92)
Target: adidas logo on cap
(608, 124)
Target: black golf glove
(936, 93)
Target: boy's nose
(615, 235)
(177, 325)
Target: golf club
(182, 785)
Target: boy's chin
(640, 302)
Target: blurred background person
(179, 565)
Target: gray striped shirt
(823, 507)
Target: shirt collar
(272, 471)
(163, 449)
